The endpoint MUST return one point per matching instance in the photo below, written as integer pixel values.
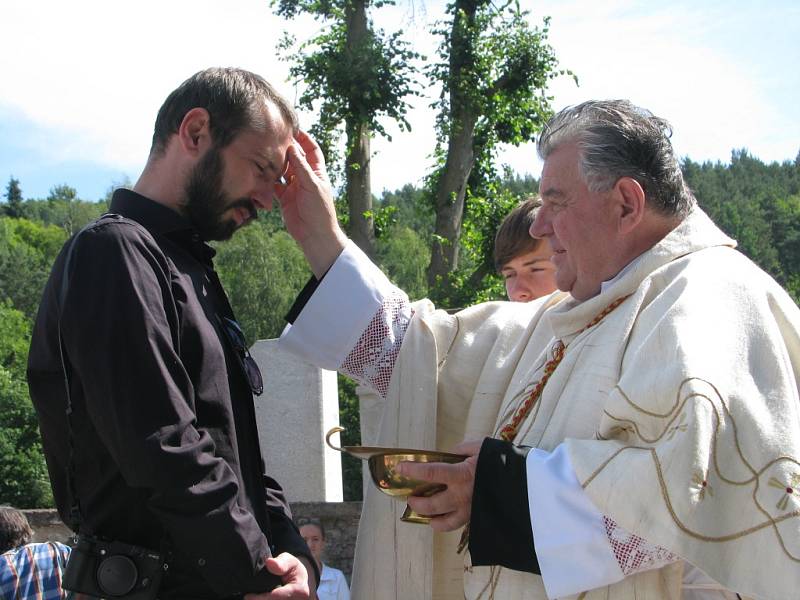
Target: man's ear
(194, 133)
(632, 203)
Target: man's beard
(206, 202)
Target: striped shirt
(33, 572)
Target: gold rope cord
(509, 431)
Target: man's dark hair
(234, 99)
(617, 139)
(513, 236)
(15, 531)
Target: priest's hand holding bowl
(450, 508)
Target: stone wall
(340, 520)
(47, 526)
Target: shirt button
(202, 562)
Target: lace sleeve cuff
(342, 307)
(579, 548)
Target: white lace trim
(635, 554)
(372, 359)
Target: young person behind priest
(522, 260)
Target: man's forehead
(563, 157)
(559, 169)
(264, 143)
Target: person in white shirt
(521, 260)
(332, 583)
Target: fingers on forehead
(303, 138)
(305, 143)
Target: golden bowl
(383, 470)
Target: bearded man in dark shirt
(160, 449)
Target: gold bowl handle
(328, 435)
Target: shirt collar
(160, 219)
(606, 284)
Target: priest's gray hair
(618, 139)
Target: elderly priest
(638, 432)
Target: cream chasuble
(679, 411)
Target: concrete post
(299, 405)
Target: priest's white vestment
(678, 412)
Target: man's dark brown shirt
(165, 439)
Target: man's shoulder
(720, 280)
(114, 226)
(115, 234)
(726, 267)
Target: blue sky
(82, 80)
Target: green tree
(410, 209)
(475, 280)
(23, 473)
(404, 255)
(357, 74)
(756, 204)
(46, 240)
(13, 207)
(521, 186)
(15, 333)
(62, 199)
(786, 232)
(27, 251)
(62, 193)
(68, 213)
(494, 71)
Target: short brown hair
(513, 236)
(15, 531)
(233, 98)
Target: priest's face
(579, 224)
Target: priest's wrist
(500, 525)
